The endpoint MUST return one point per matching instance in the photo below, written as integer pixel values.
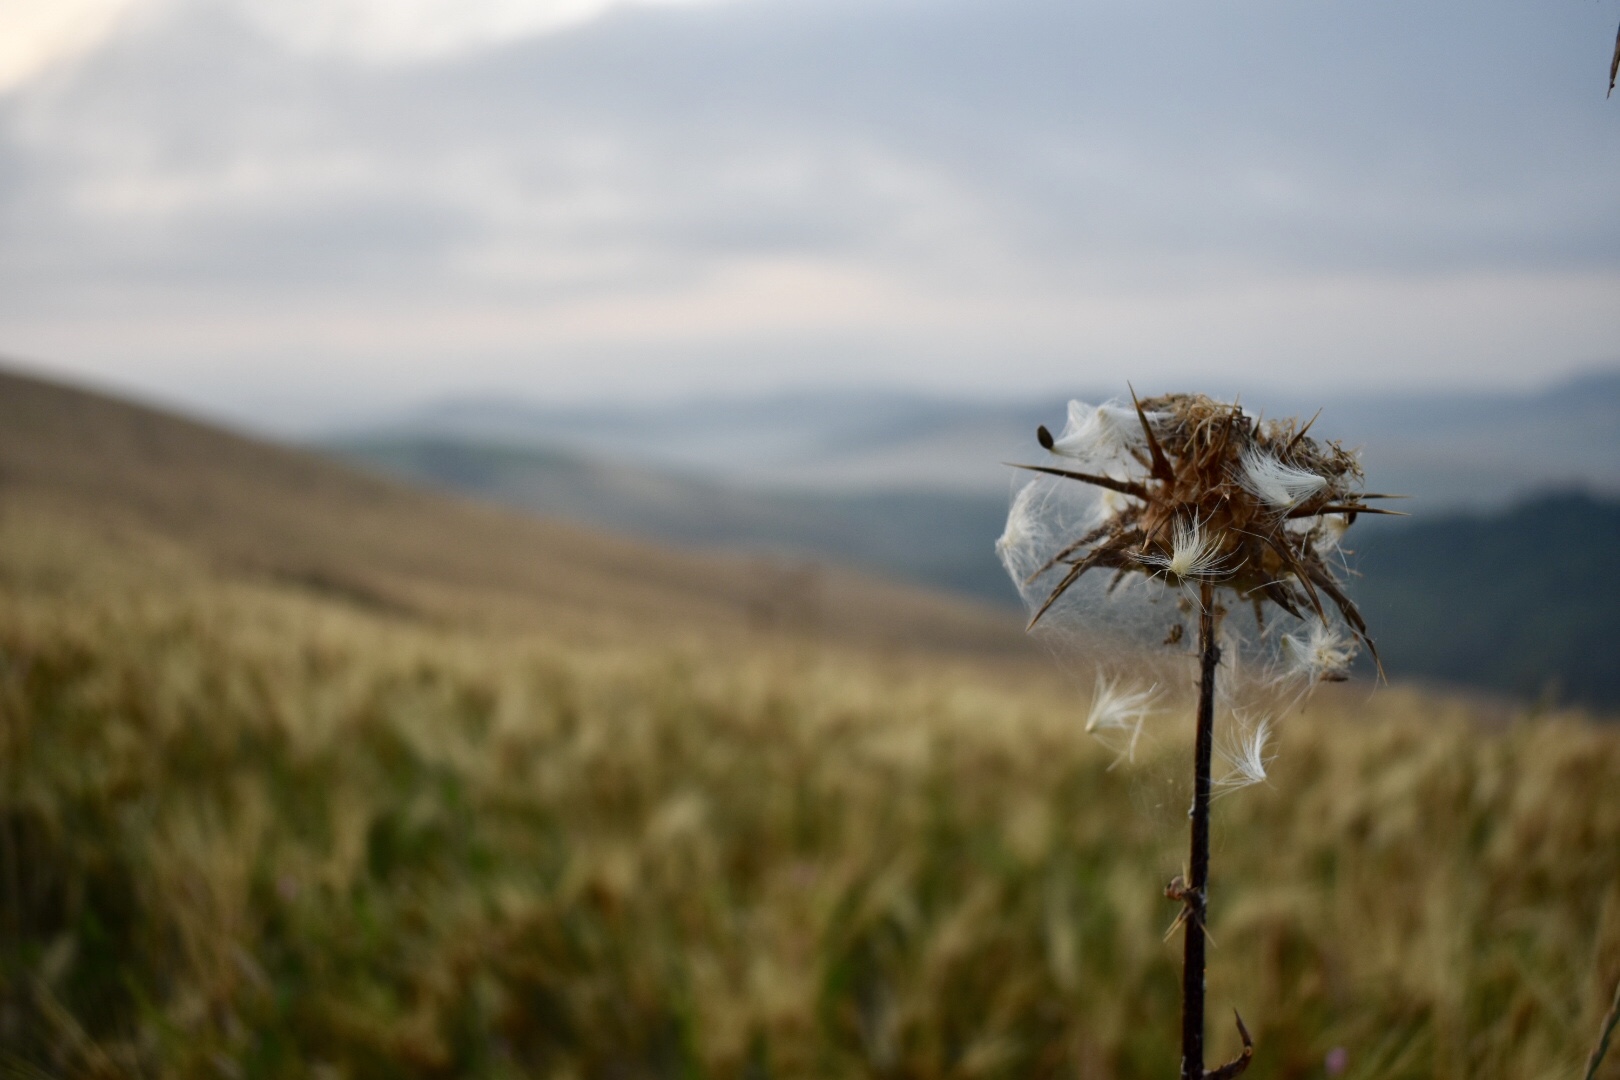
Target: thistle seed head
(1198, 492)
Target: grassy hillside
(253, 825)
(267, 513)
(249, 831)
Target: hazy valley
(915, 490)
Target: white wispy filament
(1099, 433)
(1026, 541)
(1119, 711)
(1321, 653)
(1110, 504)
(1275, 483)
(1331, 533)
(1021, 531)
(1194, 553)
(1245, 752)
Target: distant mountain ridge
(1523, 601)
(826, 440)
(1459, 449)
(1511, 599)
(1515, 599)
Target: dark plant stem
(1610, 1022)
(1196, 895)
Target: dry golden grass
(251, 830)
(251, 827)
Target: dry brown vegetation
(600, 817)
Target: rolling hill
(937, 539)
(249, 509)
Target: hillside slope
(251, 509)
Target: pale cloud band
(978, 195)
(41, 33)
(403, 31)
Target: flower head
(1202, 496)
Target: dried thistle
(1217, 511)
(1210, 496)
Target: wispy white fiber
(1245, 751)
(1326, 531)
(1195, 554)
(1099, 434)
(1022, 544)
(1332, 530)
(1320, 653)
(1109, 505)
(1118, 713)
(1276, 484)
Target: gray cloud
(1051, 152)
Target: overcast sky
(297, 210)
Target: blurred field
(253, 824)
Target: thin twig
(1614, 65)
(1196, 896)
(1609, 1023)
